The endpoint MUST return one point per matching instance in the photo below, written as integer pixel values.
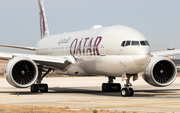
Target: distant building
(172, 56)
(177, 63)
(3, 64)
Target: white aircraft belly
(112, 65)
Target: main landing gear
(38, 86)
(110, 86)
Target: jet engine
(21, 72)
(160, 72)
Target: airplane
(113, 51)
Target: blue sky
(157, 20)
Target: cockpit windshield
(143, 43)
(135, 43)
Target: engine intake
(21, 72)
(160, 72)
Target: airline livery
(114, 51)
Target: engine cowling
(21, 72)
(160, 72)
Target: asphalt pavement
(85, 93)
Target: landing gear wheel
(43, 88)
(115, 87)
(131, 92)
(104, 87)
(125, 92)
(34, 88)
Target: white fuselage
(99, 51)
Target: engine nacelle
(21, 72)
(160, 72)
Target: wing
(49, 61)
(19, 47)
(166, 53)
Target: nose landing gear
(127, 91)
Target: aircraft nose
(142, 55)
(141, 51)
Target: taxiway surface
(85, 93)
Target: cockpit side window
(135, 43)
(123, 43)
(128, 43)
(147, 43)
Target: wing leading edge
(19, 47)
(49, 61)
(166, 53)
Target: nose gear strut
(127, 91)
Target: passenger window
(135, 43)
(142, 43)
(123, 43)
(128, 43)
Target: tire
(43, 88)
(34, 88)
(108, 87)
(115, 87)
(131, 92)
(118, 87)
(104, 87)
(125, 92)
